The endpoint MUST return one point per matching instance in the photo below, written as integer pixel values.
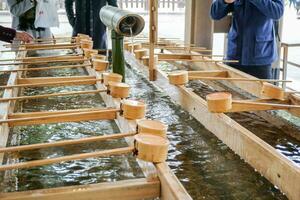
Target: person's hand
(23, 36)
(229, 1)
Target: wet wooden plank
(126, 190)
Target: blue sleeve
(220, 9)
(270, 8)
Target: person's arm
(220, 9)
(271, 8)
(18, 8)
(112, 3)
(8, 35)
(69, 4)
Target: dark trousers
(259, 71)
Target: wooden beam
(165, 56)
(21, 98)
(194, 77)
(102, 114)
(45, 68)
(277, 168)
(214, 73)
(47, 39)
(49, 113)
(74, 60)
(65, 142)
(53, 79)
(52, 83)
(134, 189)
(41, 48)
(48, 58)
(197, 60)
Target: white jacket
(17, 9)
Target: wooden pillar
(199, 26)
(153, 14)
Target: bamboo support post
(65, 142)
(21, 98)
(153, 26)
(48, 161)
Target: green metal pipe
(118, 63)
(122, 23)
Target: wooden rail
(277, 168)
(125, 190)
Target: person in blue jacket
(251, 39)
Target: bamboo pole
(48, 161)
(19, 115)
(235, 79)
(33, 46)
(68, 56)
(46, 68)
(183, 48)
(47, 39)
(41, 48)
(197, 60)
(45, 62)
(190, 55)
(46, 42)
(153, 27)
(21, 98)
(65, 117)
(65, 142)
(58, 83)
(244, 105)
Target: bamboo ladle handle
(77, 82)
(236, 79)
(65, 142)
(48, 161)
